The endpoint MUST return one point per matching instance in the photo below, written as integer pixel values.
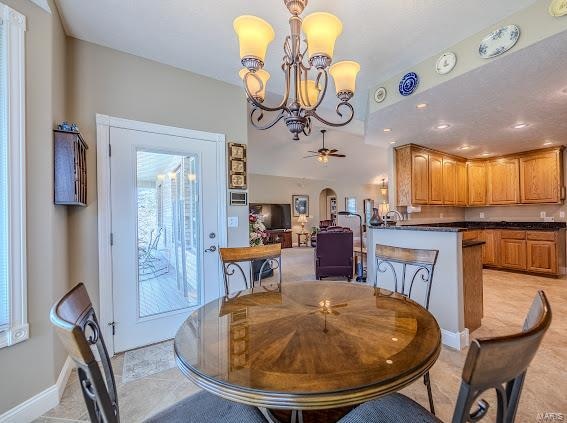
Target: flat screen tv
(276, 216)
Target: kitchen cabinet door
(540, 180)
(461, 186)
(513, 253)
(490, 248)
(435, 179)
(503, 181)
(542, 256)
(476, 181)
(420, 177)
(449, 181)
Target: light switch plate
(233, 221)
(482, 215)
(562, 214)
(542, 214)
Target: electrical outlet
(562, 214)
(482, 215)
(441, 215)
(233, 221)
(542, 214)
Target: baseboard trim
(455, 340)
(41, 403)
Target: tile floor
(507, 297)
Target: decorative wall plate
(380, 95)
(499, 41)
(409, 84)
(558, 8)
(446, 63)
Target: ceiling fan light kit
(324, 153)
(302, 94)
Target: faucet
(397, 216)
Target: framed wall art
(237, 166)
(300, 205)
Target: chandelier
(302, 95)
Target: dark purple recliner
(333, 253)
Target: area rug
(147, 361)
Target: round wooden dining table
(307, 345)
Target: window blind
(4, 259)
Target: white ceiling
(483, 105)
(274, 153)
(386, 36)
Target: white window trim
(18, 329)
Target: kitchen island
(447, 291)
(464, 248)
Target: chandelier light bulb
(254, 35)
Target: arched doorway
(328, 205)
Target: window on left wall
(13, 282)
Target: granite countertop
(466, 226)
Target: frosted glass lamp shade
(254, 35)
(257, 89)
(321, 30)
(302, 218)
(344, 74)
(309, 93)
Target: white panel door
(165, 209)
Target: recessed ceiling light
(548, 143)
(421, 105)
(443, 126)
(392, 142)
(465, 147)
(486, 153)
(520, 125)
(387, 129)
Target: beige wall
(279, 189)
(110, 82)
(34, 365)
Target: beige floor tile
(507, 297)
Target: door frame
(103, 125)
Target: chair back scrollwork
(406, 266)
(232, 258)
(78, 328)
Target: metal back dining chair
(269, 257)
(498, 363)
(78, 328)
(408, 266)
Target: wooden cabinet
(503, 181)
(420, 177)
(476, 178)
(542, 252)
(490, 248)
(449, 181)
(461, 185)
(435, 179)
(70, 168)
(412, 176)
(512, 252)
(540, 177)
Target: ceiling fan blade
(307, 157)
(337, 155)
(314, 152)
(334, 150)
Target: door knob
(211, 249)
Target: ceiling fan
(323, 153)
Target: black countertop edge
(465, 226)
(420, 228)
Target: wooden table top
(314, 345)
